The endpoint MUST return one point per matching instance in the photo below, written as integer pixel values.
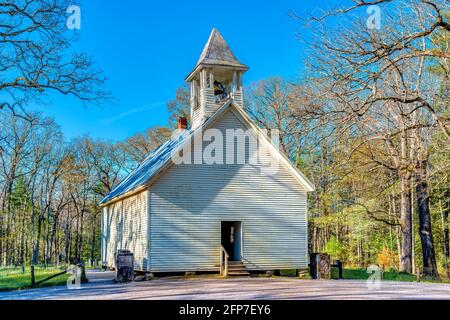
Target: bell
(219, 88)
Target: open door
(232, 239)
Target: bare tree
(382, 91)
(271, 103)
(139, 146)
(35, 56)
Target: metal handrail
(223, 262)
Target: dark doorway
(231, 239)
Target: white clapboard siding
(197, 116)
(238, 98)
(208, 101)
(125, 227)
(188, 203)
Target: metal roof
(151, 165)
(155, 161)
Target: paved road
(102, 287)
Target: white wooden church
(228, 217)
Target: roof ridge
(211, 38)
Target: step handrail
(223, 261)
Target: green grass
(288, 273)
(361, 274)
(357, 274)
(14, 279)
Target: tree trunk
(48, 253)
(68, 235)
(445, 238)
(399, 243)
(425, 231)
(93, 243)
(53, 249)
(22, 237)
(9, 217)
(80, 235)
(406, 225)
(36, 248)
(413, 240)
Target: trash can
(320, 265)
(124, 266)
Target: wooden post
(224, 260)
(339, 263)
(202, 80)
(221, 261)
(84, 279)
(226, 267)
(211, 80)
(239, 80)
(33, 278)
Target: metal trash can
(320, 266)
(124, 266)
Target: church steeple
(216, 79)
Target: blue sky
(146, 48)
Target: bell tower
(215, 80)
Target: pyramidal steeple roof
(218, 53)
